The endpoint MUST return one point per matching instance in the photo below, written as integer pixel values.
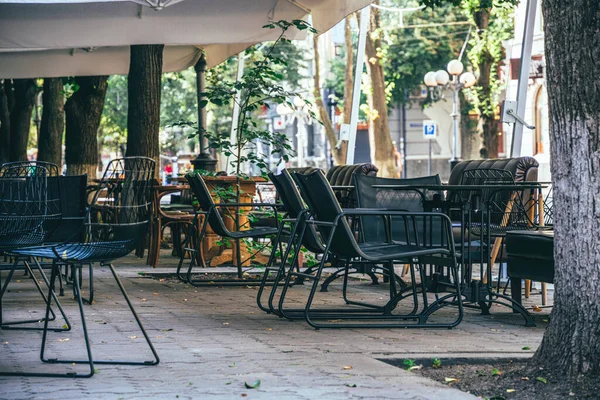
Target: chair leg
(51, 315)
(91, 362)
(544, 293)
(527, 288)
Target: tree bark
(83, 111)
(53, 122)
(382, 149)
(488, 126)
(339, 155)
(20, 118)
(144, 88)
(571, 344)
(4, 124)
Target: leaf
(252, 385)
(526, 348)
(536, 308)
(347, 367)
(496, 372)
(203, 103)
(510, 390)
(448, 380)
(352, 385)
(541, 379)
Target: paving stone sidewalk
(213, 339)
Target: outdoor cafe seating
(113, 228)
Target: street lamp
(300, 113)
(440, 80)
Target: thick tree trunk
(488, 126)
(83, 111)
(20, 118)
(382, 149)
(339, 155)
(571, 344)
(53, 122)
(4, 124)
(144, 90)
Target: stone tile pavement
(213, 339)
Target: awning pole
(360, 61)
(526, 46)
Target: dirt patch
(502, 379)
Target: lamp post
(440, 80)
(301, 114)
(204, 160)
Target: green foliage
(408, 363)
(413, 51)
(486, 45)
(436, 363)
(260, 88)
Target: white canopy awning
(47, 38)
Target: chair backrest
(372, 227)
(523, 169)
(323, 205)
(341, 175)
(206, 203)
(122, 205)
(505, 207)
(73, 200)
(29, 203)
(292, 201)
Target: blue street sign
(429, 129)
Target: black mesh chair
(209, 213)
(29, 214)
(332, 223)
(116, 223)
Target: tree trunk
(349, 72)
(20, 118)
(488, 126)
(571, 344)
(83, 111)
(4, 124)
(339, 155)
(53, 122)
(144, 89)
(382, 149)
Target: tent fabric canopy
(46, 38)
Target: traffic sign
(429, 129)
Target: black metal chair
(30, 212)
(117, 221)
(73, 200)
(209, 213)
(295, 212)
(491, 213)
(331, 221)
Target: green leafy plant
(408, 363)
(436, 363)
(259, 88)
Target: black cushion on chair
(531, 255)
